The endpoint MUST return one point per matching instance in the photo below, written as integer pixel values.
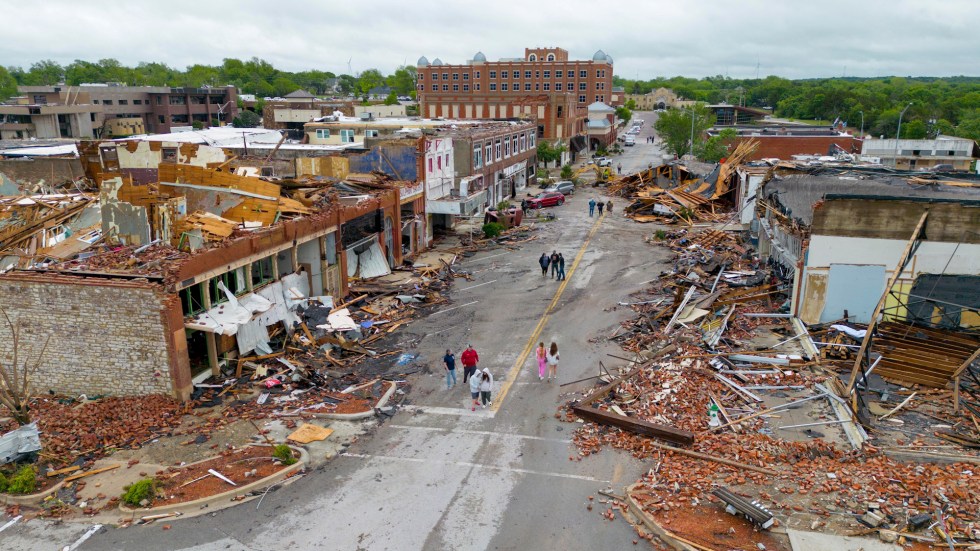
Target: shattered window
(191, 300)
(262, 272)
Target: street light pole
(862, 125)
(692, 135)
(898, 133)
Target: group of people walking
(593, 204)
(481, 382)
(557, 263)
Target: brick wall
(784, 147)
(106, 336)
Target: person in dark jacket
(561, 267)
(450, 360)
(600, 205)
(524, 206)
(544, 261)
(554, 263)
(609, 206)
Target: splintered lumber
(899, 406)
(899, 267)
(716, 459)
(66, 470)
(90, 473)
(348, 303)
(636, 426)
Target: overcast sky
(646, 38)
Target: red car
(546, 199)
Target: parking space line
(480, 433)
(467, 464)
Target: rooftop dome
(478, 56)
(599, 56)
(609, 59)
(422, 62)
(436, 61)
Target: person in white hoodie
(486, 386)
(475, 380)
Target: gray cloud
(794, 39)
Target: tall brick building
(543, 85)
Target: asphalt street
(438, 475)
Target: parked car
(565, 187)
(630, 141)
(546, 199)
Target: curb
(205, 504)
(30, 500)
(663, 534)
(363, 415)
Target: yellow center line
(516, 368)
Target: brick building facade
(544, 85)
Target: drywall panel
(854, 289)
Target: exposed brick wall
(106, 336)
(784, 147)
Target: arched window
(551, 57)
(532, 57)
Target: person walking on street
(552, 359)
(561, 267)
(609, 206)
(600, 205)
(475, 390)
(544, 261)
(619, 168)
(554, 263)
(524, 206)
(486, 386)
(450, 360)
(591, 206)
(470, 358)
(542, 355)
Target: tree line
(949, 106)
(252, 76)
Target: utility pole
(898, 133)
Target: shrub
(140, 490)
(24, 481)
(492, 229)
(503, 206)
(566, 172)
(660, 235)
(3, 483)
(284, 453)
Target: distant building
(544, 85)
(732, 115)
(661, 98)
(954, 154)
(783, 142)
(162, 108)
(36, 117)
(601, 125)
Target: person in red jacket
(469, 358)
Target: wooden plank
(899, 267)
(90, 473)
(635, 426)
(66, 470)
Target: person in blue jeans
(591, 206)
(450, 360)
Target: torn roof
(41, 151)
(797, 193)
(218, 136)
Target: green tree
(402, 81)
(369, 80)
(914, 130)
(716, 148)
(391, 99)
(548, 153)
(8, 84)
(347, 85)
(247, 119)
(43, 73)
(630, 104)
(313, 80)
(624, 114)
(675, 128)
(283, 85)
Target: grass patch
(138, 491)
(24, 481)
(284, 453)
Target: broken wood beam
(90, 473)
(716, 459)
(348, 303)
(635, 426)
